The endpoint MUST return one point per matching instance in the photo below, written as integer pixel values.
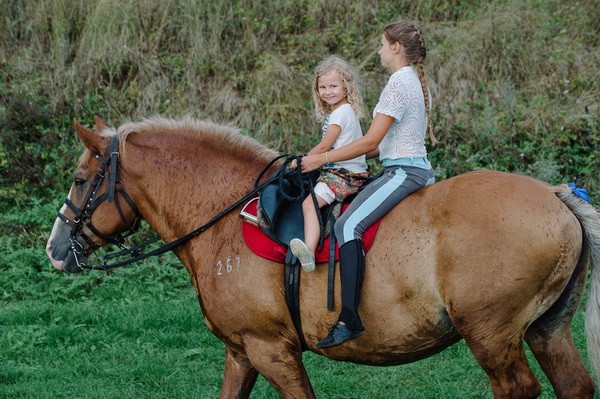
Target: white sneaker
(306, 257)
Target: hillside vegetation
(515, 83)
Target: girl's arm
(331, 135)
(367, 144)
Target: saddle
(280, 208)
(273, 219)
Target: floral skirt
(342, 182)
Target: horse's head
(97, 209)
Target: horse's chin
(70, 263)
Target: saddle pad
(267, 248)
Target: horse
(492, 258)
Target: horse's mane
(220, 136)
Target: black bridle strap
(137, 256)
(281, 169)
(83, 213)
(113, 156)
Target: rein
(84, 212)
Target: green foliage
(511, 80)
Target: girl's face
(388, 53)
(331, 89)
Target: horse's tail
(590, 221)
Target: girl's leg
(377, 198)
(371, 204)
(312, 230)
(305, 250)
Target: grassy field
(138, 333)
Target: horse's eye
(79, 182)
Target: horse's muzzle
(69, 263)
(59, 249)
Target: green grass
(514, 82)
(138, 333)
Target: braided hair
(411, 38)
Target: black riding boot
(352, 270)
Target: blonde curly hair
(350, 81)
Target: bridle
(109, 163)
(109, 166)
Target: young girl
(338, 103)
(400, 122)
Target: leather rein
(109, 165)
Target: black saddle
(280, 207)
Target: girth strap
(291, 281)
(331, 268)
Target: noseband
(109, 165)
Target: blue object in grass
(579, 192)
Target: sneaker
(306, 257)
(338, 334)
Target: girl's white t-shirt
(402, 98)
(345, 117)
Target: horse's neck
(179, 189)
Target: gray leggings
(379, 197)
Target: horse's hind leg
(496, 339)
(552, 344)
(239, 377)
(506, 365)
(558, 357)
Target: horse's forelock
(222, 135)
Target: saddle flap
(264, 246)
(280, 210)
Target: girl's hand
(312, 162)
(293, 164)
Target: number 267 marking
(231, 264)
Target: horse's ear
(100, 125)
(93, 141)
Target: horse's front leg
(239, 376)
(279, 360)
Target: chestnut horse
(493, 258)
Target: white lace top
(402, 98)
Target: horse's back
(481, 253)
(502, 235)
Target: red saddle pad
(265, 247)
